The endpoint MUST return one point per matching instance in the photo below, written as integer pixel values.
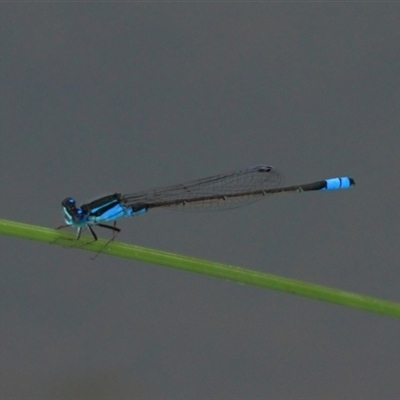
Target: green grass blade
(205, 267)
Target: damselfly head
(72, 214)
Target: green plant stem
(205, 267)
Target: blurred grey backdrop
(105, 97)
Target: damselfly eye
(78, 214)
(68, 202)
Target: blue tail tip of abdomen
(343, 182)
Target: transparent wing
(219, 192)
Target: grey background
(102, 97)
